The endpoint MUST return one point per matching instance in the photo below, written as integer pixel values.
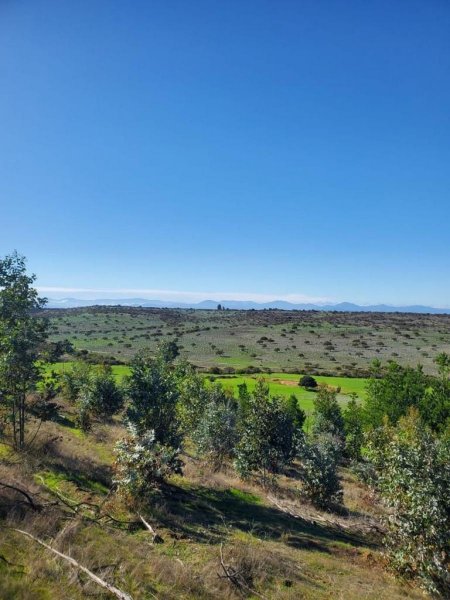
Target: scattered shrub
(142, 464)
(307, 381)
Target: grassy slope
(282, 557)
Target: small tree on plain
(307, 381)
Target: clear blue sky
(288, 148)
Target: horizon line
(198, 297)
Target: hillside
(278, 544)
(338, 343)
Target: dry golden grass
(277, 555)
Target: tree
(393, 394)
(168, 351)
(267, 435)
(142, 464)
(307, 381)
(22, 340)
(413, 480)
(319, 472)
(193, 398)
(105, 396)
(73, 379)
(216, 433)
(401, 388)
(353, 427)
(298, 415)
(327, 414)
(153, 393)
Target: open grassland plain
(280, 384)
(327, 343)
(282, 548)
(286, 384)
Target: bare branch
(107, 586)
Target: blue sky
(257, 149)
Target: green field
(280, 384)
(305, 397)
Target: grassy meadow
(280, 384)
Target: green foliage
(353, 427)
(391, 393)
(413, 479)
(193, 398)
(105, 396)
(93, 391)
(298, 415)
(307, 381)
(318, 475)
(142, 464)
(168, 351)
(73, 379)
(216, 433)
(328, 417)
(153, 393)
(22, 339)
(42, 404)
(53, 351)
(267, 435)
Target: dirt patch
(288, 382)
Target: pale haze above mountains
(240, 305)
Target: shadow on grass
(205, 514)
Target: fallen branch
(369, 527)
(30, 500)
(113, 590)
(235, 578)
(157, 539)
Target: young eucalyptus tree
(22, 341)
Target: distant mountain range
(242, 305)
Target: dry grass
(277, 555)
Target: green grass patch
(54, 479)
(280, 385)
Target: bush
(319, 477)
(216, 433)
(94, 392)
(267, 434)
(142, 464)
(193, 398)
(73, 379)
(353, 426)
(413, 479)
(105, 396)
(153, 393)
(327, 416)
(307, 381)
